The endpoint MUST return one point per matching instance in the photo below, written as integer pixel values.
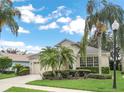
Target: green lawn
(18, 89)
(84, 84)
(3, 76)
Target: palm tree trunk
(99, 53)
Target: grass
(84, 84)
(3, 76)
(19, 89)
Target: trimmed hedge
(48, 75)
(97, 76)
(65, 74)
(122, 72)
(74, 74)
(105, 70)
(8, 72)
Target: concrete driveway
(21, 80)
(16, 81)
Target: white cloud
(22, 30)
(75, 26)
(19, 0)
(33, 49)
(11, 43)
(29, 16)
(40, 19)
(19, 45)
(64, 20)
(52, 25)
(41, 9)
(28, 7)
(60, 11)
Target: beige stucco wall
(122, 63)
(104, 57)
(104, 60)
(36, 68)
(75, 50)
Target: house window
(96, 61)
(82, 62)
(90, 61)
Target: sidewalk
(50, 89)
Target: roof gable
(89, 48)
(65, 40)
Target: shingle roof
(89, 48)
(64, 41)
(16, 57)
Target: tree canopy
(5, 63)
(101, 15)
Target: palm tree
(17, 67)
(7, 14)
(107, 42)
(56, 58)
(49, 58)
(66, 57)
(102, 14)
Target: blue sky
(47, 22)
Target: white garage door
(36, 68)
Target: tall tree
(107, 42)
(7, 16)
(102, 14)
(5, 63)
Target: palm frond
(7, 14)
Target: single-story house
(92, 57)
(91, 60)
(18, 59)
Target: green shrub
(105, 70)
(8, 72)
(97, 76)
(24, 71)
(122, 72)
(58, 75)
(65, 74)
(82, 72)
(17, 68)
(48, 75)
(21, 70)
(92, 69)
